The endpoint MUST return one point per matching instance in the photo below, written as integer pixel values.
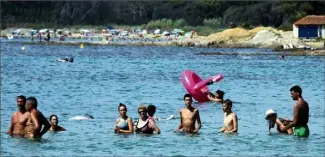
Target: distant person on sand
(54, 121)
(124, 123)
(40, 36)
(230, 122)
(218, 97)
(301, 114)
(16, 128)
(145, 125)
(272, 118)
(188, 117)
(36, 124)
(48, 36)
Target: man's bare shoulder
(14, 113)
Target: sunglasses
(141, 111)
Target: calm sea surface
(101, 77)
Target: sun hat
(269, 112)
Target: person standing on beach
(301, 114)
(230, 122)
(16, 128)
(189, 116)
(35, 120)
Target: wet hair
(151, 110)
(228, 102)
(141, 106)
(296, 89)
(57, 118)
(220, 93)
(187, 95)
(120, 105)
(33, 100)
(21, 97)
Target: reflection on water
(103, 76)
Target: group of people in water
(29, 122)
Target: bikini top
(122, 123)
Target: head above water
(54, 120)
(31, 102)
(122, 109)
(296, 92)
(21, 102)
(188, 99)
(227, 105)
(270, 115)
(220, 94)
(151, 110)
(142, 110)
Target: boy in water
(189, 116)
(230, 118)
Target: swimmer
(152, 110)
(65, 59)
(301, 114)
(272, 118)
(230, 122)
(189, 116)
(124, 123)
(16, 128)
(36, 124)
(145, 125)
(54, 120)
(218, 97)
(85, 117)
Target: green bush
(286, 27)
(214, 23)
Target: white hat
(269, 112)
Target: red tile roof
(311, 20)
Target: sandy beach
(260, 37)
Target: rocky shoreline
(260, 37)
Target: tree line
(193, 13)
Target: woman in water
(54, 120)
(124, 123)
(145, 125)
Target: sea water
(101, 77)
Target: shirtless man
(16, 128)
(189, 116)
(301, 114)
(35, 120)
(230, 122)
(54, 120)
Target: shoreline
(280, 41)
(276, 48)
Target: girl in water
(124, 123)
